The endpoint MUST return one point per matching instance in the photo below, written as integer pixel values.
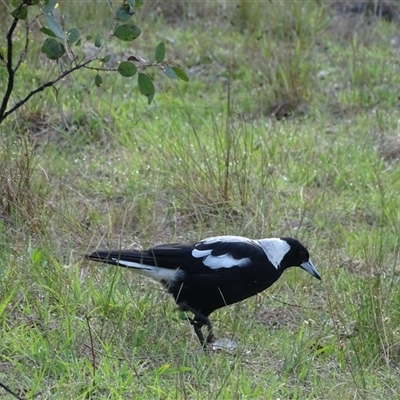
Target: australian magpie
(213, 272)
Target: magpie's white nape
(214, 272)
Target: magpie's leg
(197, 328)
(198, 322)
(210, 335)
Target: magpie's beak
(310, 268)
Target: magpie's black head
(299, 256)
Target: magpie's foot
(197, 325)
(198, 322)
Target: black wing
(170, 256)
(209, 254)
(236, 246)
(201, 257)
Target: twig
(101, 69)
(3, 113)
(44, 86)
(60, 110)
(290, 304)
(92, 351)
(8, 390)
(116, 69)
(22, 57)
(10, 83)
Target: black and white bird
(214, 272)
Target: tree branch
(42, 87)
(3, 113)
(142, 66)
(10, 83)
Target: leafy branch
(58, 46)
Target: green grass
(207, 160)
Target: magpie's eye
(303, 256)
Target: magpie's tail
(123, 258)
(138, 261)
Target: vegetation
(70, 49)
(288, 127)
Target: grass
(288, 127)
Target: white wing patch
(227, 239)
(217, 262)
(157, 273)
(275, 249)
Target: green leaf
(150, 98)
(107, 58)
(88, 37)
(79, 42)
(55, 26)
(5, 301)
(98, 80)
(127, 33)
(132, 3)
(138, 3)
(20, 13)
(127, 69)
(181, 74)
(53, 49)
(97, 40)
(73, 35)
(124, 13)
(36, 256)
(49, 7)
(170, 72)
(146, 86)
(163, 369)
(47, 32)
(160, 52)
